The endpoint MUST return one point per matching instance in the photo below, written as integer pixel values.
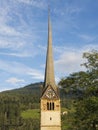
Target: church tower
(50, 100)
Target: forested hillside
(13, 102)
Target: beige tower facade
(50, 101)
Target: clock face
(50, 93)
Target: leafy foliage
(84, 87)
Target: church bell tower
(50, 101)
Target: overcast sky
(23, 38)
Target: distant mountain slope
(29, 89)
(32, 91)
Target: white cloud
(16, 39)
(36, 3)
(21, 55)
(16, 68)
(87, 38)
(4, 9)
(25, 1)
(17, 48)
(5, 29)
(11, 44)
(70, 60)
(68, 10)
(14, 80)
(36, 75)
(12, 22)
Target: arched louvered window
(47, 105)
(50, 105)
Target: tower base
(51, 128)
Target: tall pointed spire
(49, 71)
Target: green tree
(85, 85)
(92, 60)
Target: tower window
(50, 105)
(47, 105)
